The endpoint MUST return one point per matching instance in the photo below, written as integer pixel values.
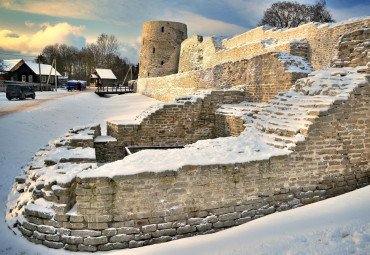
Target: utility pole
(40, 74)
(56, 78)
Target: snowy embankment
(339, 225)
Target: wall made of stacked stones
(148, 208)
(261, 76)
(321, 39)
(176, 124)
(353, 49)
(228, 125)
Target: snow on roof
(10, 63)
(94, 76)
(105, 74)
(45, 69)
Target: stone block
(164, 232)
(54, 238)
(149, 228)
(195, 221)
(38, 235)
(204, 227)
(95, 240)
(121, 238)
(46, 229)
(72, 239)
(109, 232)
(82, 247)
(97, 226)
(71, 247)
(54, 245)
(128, 230)
(86, 233)
(186, 229)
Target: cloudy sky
(27, 26)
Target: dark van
(19, 91)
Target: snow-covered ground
(339, 225)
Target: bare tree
(107, 47)
(292, 14)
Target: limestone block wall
(261, 76)
(160, 48)
(353, 49)
(147, 208)
(205, 54)
(228, 125)
(321, 40)
(179, 123)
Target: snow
(45, 69)
(106, 74)
(10, 63)
(339, 225)
(105, 139)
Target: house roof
(105, 74)
(94, 76)
(45, 69)
(10, 63)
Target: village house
(103, 77)
(26, 71)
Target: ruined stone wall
(261, 76)
(160, 48)
(148, 208)
(177, 123)
(228, 125)
(321, 40)
(353, 49)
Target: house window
(51, 79)
(24, 78)
(162, 29)
(43, 79)
(153, 50)
(30, 78)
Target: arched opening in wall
(162, 29)
(153, 50)
(162, 62)
(148, 74)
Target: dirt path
(35, 103)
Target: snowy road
(339, 225)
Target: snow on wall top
(251, 145)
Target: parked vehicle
(76, 84)
(19, 91)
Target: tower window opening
(162, 29)
(153, 50)
(162, 62)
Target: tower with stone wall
(160, 48)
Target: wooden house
(25, 71)
(103, 77)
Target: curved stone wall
(160, 48)
(133, 210)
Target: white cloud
(34, 44)
(29, 23)
(68, 9)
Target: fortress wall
(175, 124)
(261, 81)
(321, 39)
(129, 211)
(353, 49)
(147, 208)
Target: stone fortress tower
(160, 48)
